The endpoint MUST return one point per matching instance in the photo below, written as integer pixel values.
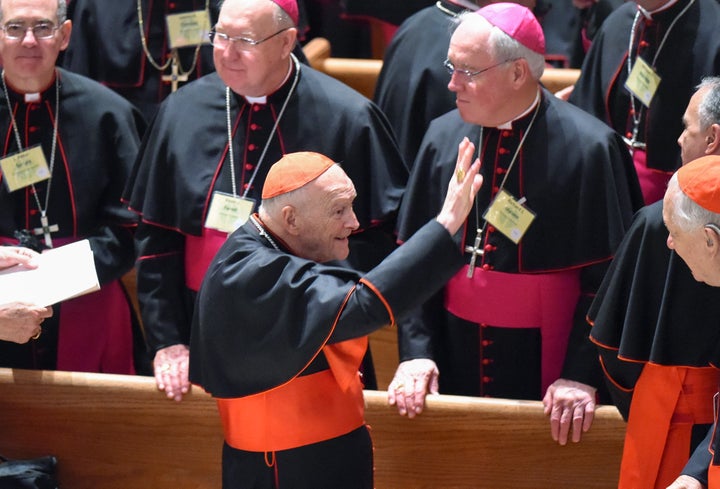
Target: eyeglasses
(41, 30)
(467, 74)
(221, 40)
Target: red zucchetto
(700, 180)
(293, 171)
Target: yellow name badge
(228, 212)
(643, 81)
(509, 216)
(188, 29)
(25, 168)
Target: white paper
(62, 273)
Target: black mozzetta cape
(264, 314)
(412, 86)
(691, 51)
(106, 46)
(578, 179)
(183, 160)
(649, 307)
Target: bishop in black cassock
(97, 141)
(679, 40)
(106, 46)
(185, 158)
(504, 330)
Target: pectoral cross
(175, 76)
(633, 143)
(46, 229)
(476, 251)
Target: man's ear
(65, 32)
(289, 39)
(289, 220)
(712, 239)
(520, 71)
(713, 140)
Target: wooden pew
(362, 74)
(119, 432)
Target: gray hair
(61, 11)
(709, 107)
(504, 47)
(274, 205)
(688, 215)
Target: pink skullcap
(700, 180)
(517, 22)
(290, 7)
(294, 170)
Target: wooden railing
(119, 432)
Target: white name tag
(643, 82)
(188, 29)
(25, 168)
(228, 212)
(509, 216)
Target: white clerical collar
(508, 125)
(32, 97)
(649, 13)
(256, 100)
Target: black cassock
(266, 319)
(577, 178)
(98, 139)
(650, 310)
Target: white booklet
(62, 273)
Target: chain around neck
(174, 55)
(510, 166)
(262, 232)
(13, 122)
(637, 114)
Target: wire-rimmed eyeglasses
(467, 74)
(222, 40)
(18, 30)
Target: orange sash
(307, 409)
(666, 404)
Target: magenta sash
(653, 183)
(95, 330)
(513, 300)
(199, 252)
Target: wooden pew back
(119, 432)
